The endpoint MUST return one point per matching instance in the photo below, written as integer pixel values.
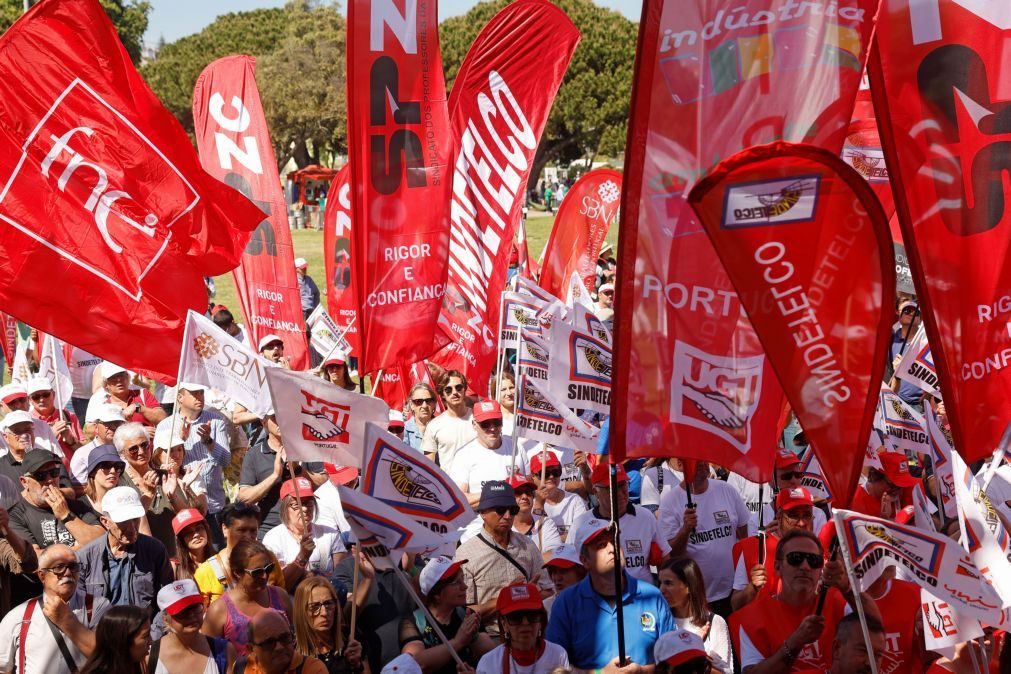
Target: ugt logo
(91, 187)
(324, 421)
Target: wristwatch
(69, 518)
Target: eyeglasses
(815, 561)
(520, 617)
(791, 475)
(28, 432)
(107, 466)
(422, 401)
(50, 474)
(607, 292)
(285, 639)
(458, 388)
(136, 449)
(799, 516)
(316, 608)
(502, 510)
(491, 424)
(39, 397)
(908, 311)
(63, 569)
(261, 572)
(553, 474)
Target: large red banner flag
(500, 104)
(107, 222)
(401, 152)
(235, 147)
(939, 77)
(583, 220)
(807, 247)
(691, 378)
(341, 301)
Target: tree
(590, 113)
(130, 19)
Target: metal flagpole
(855, 589)
(501, 347)
(761, 523)
(520, 379)
(619, 569)
(431, 619)
(56, 378)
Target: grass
(308, 243)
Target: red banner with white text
(235, 147)
(500, 104)
(691, 376)
(9, 338)
(401, 153)
(807, 246)
(107, 222)
(580, 228)
(341, 302)
(939, 76)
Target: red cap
(906, 515)
(602, 474)
(788, 499)
(487, 409)
(340, 474)
(304, 488)
(785, 458)
(896, 469)
(519, 597)
(334, 360)
(551, 462)
(518, 482)
(185, 518)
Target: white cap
(605, 287)
(178, 596)
(300, 262)
(37, 385)
(587, 530)
(402, 664)
(396, 416)
(438, 568)
(105, 413)
(15, 417)
(191, 387)
(161, 437)
(267, 339)
(13, 391)
(678, 646)
(122, 504)
(111, 369)
(565, 556)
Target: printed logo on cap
(185, 515)
(486, 407)
(797, 492)
(518, 592)
(683, 636)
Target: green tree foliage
(590, 113)
(130, 19)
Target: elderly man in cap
(788, 474)
(125, 566)
(583, 616)
(605, 303)
(138, 404)
(54, 633)
(497, 556)
(489, 456)
(65, 425)
(18, 432)
(204, 433)
(103, 420)
(307, 289)
(271, 347)
(15, 399)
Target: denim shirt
(147, 568)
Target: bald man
(272, 646)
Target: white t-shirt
(328, 507)
(282, 543)
(445, 434)
(475, 464)
(554, 656)
(717, 641)
(82, 368)
(720, 511)
(639, 531)
(650, 492)
(42, 653)
(565, 512)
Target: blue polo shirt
(584, 623)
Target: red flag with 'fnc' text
(940, 81)
(401, 152)
(691, 377)
(342, 304)
(107, 222)
(500, 104)
(235, 148)
(807, 246)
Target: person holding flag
(65, 425)
(883, 494)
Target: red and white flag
(401, 156)
(340, 296)
(235, 148)
(9, 342)
(500, 103)
(383, 532)
(583, 221)
(917, 364)
(104, 208)
(53, 367)
(938, 77)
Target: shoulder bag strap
(152, 658)
(26, 622)
(62, 644)
(506, 555)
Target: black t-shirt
(257, 466)
(379, 620)
(41, 527)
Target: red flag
(342, 305)
(392, 387)
(500, 104)
(580, 228)
(109, 223)
(693, 378)
(807, 247)
(939, 77)
(401, 151)
(235, 148)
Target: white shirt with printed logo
(639, 531)
(565, 512)
(475, 464)
(720, 511)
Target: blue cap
(103, 454)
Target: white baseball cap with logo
(111, 369)
(178, 596)
(438, 569)
(14, 418)
(678, 646)
(38, 385)
(106, 413)
(122, 504)
(589, 530)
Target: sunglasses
(553, 474)
(316, 608)
(791, 475)
(63, 569)
(491, 424)
(908, 311)
(136, 449)
(39, 397)
(286, 639)
(107, 466)
(813, 560)
(520, 617)
(194, 612)
(50, 474)
(502, 510)
(607, 292)
(422, 401)
(459, 388)
(261, 572)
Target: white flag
(943, 627)
(325, 336)
(542, 418)
(518, 310)
(212, 357)
(320, 421)
(903, 425)
(940, 455)
(380, 530)
(813, 479)
(53, 366)
(579, 369)
(577, 294)
(917, 364)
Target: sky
(173, 19)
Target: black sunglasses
(553, 473)
(458, 388)
(519, 617)
(46, 474)
(422, 401)
(502, 510)
(111, 465)
(791, 475)
(909, 310)
(815, 561)
(490, 424)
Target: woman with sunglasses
(183, 649)
(302, 545)
(193, 543)
(122, 642)
(105, 468)
(541, 529)
(421, 400)
(682, 586)
(524, 650)
(319, 630)
(335, 370)
(248, 595)
(452, 429)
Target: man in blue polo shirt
(583, 618)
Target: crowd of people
(166, 531)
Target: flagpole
(354, 589)
(937, 495)
(428, 614)
(619, 568)
(501, 349)
(761, 523)
(375, 384)
(971, 645)
(340, 337)
(520, 378)
(544, 470)
(855, 589)
(56, 378)
(179, 374)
